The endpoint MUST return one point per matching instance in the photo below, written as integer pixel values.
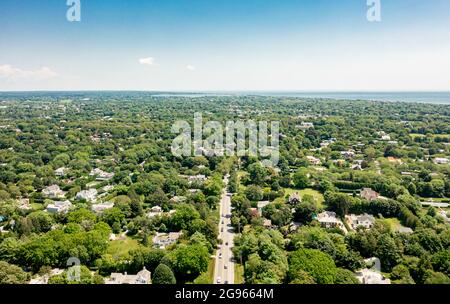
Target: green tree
(316, 263)
(301, 180)
(163, 275)
(11, 274)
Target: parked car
(219, 280)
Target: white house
(60, 172)
(369, 276)
(197, 178)
(53, 191)
(155, 211)
(88, 195)
(162, 240)
(100, 208)
(101, 175)
(313, 160)
(366, 220)
(142, 277)
(59, 207)
(328, 219)
(441, 161)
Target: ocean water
(419, 97)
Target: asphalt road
(224, 266)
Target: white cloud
(12, 73)
(147, 61)
(190, 67)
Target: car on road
(221, 230)
(226, 244)
(226, 282)
(219, 280)
(225, 266)
(220, 255)
(222, 222)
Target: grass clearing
(393, 223)
(314, 193)
(121, 248)
(210, 271)
(238, 274)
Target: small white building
(328, 219)
(43, 280)
(366, 221)
(61, 172)
(59, 207)
(313, 160)
(24, 204)
(369, 276)
(155, 211)
(162, 240)
(88, 195)
(441, 161)
(200, 178)
(142, 277)
(100, 208)
(53, 191)
(101, 175)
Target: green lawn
(37, 206)
(238, 274)
(314, 193)
(210, 272)
(393, 223)
(120, 248)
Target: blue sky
(225, 45)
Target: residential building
(313, 160)
(100, 208)
(101, 175)
(305, 126)
(294, 198)
(366, 221)
(142, 277)
(369, 194)
(43, 280)
(328, 219)
(267, 223)
(88, 195)
(155, 211)
(59, 207)
(24, 204)
(60, 172)
(441, 161)
(53, 191)
(162, 240)
(200, 178)
(178, 199)
(369, 276)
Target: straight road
(224, 266)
